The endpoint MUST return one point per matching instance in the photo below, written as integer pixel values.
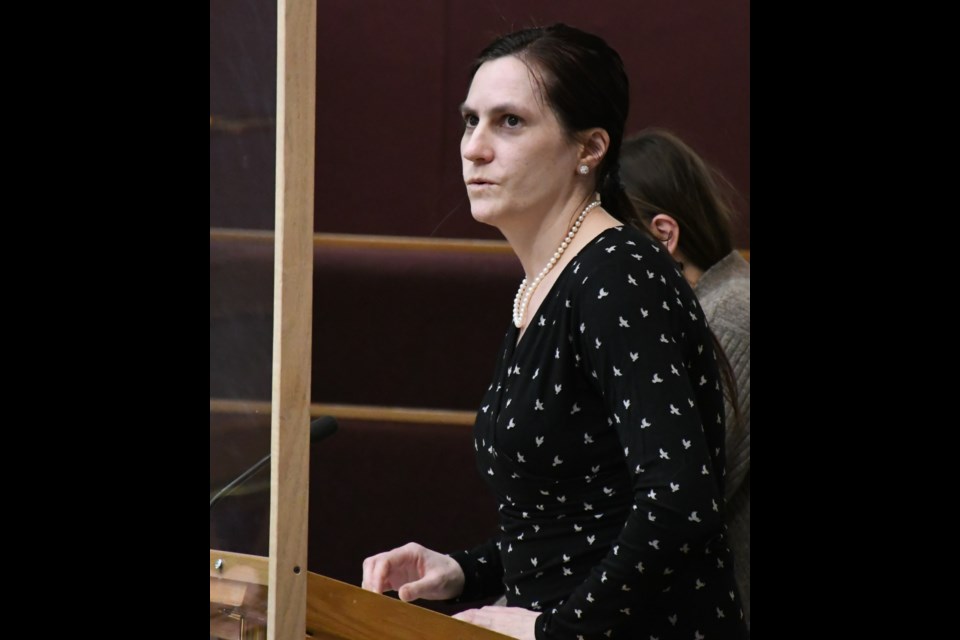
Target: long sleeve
(482, 571)
(642, 340)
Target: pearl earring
(584, 169)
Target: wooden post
(292, 316)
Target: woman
(681, 200)
(602, 432)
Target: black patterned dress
(602, 437)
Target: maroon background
(390, 76)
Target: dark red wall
(390, 76)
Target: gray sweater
(724, 294)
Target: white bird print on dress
(535, 374)
(578, 612)
(664, 455)
(663, 338)
(543, 321)
(686, 444)
(719, 563)
(637, 256)
(576, 267)
(520, 457)
(557, 355)
(561, 499)
(598, 343)
(587, 439)
(556, 462)
(595, 469)
(566, 558)
(639, 567)
(666, 306)
(590, 539)
(538, 406)
(644, 424)
(674, 410)
(657, 378)
(575, 409)
(644, 312)
(624, 323)
(577, 527)
(603, 578)
(557, 388)
(674, 371)
(587, 506)
(651, 517)
(609, 491)
(490, 471)
(625, 611)
(589, 597)
(610, 249)
(616, 372)
(626, 404)
(631, 280)
(583, 327)
(533, 561)
(617, 418)
(698, 636)
(693, 517)
(653, 494)
(730, 593)
(674, 487)
(700, 349)
(484, 408)
(509, 400)
(685, 548)
(539, 440)
(715, 508)
(703, 380)
(511, 424)
(625, 588)
(703, 470)
(649, 275)
(616, 548)
(700, 585)
(667, 571)
(634, 356)
(690, 402)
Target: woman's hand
(512, 621)
(414, 572)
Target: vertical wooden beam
(292, 311)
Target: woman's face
(517, 159)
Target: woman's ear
(667, 231)
(593, 147)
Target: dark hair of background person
(662, 174)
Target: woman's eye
(471, 120)
(512, 121)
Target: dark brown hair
(662, 174)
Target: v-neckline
(516, 335)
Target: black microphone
(320, 428)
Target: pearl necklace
(525, 292)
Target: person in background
(684, 203)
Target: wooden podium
(335, 610)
